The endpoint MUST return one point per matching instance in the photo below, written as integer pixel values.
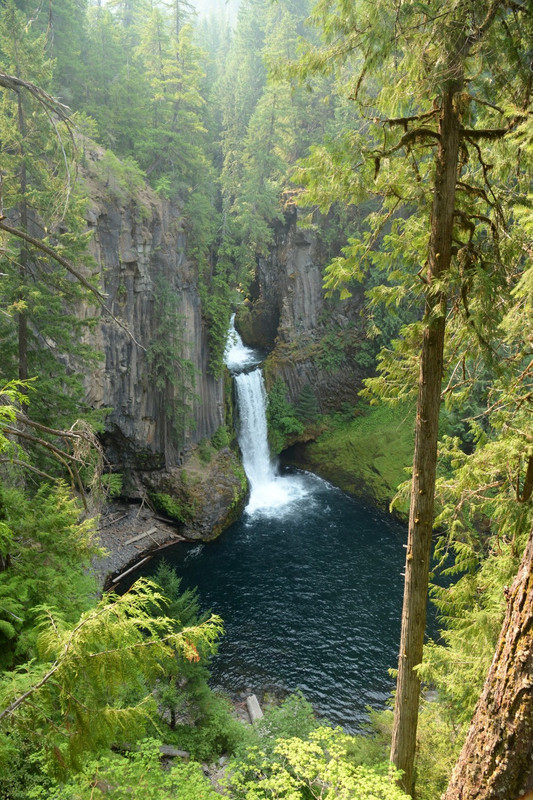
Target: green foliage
(307, 408)
(45, 550)
(294, 717)
(182, 606)
(135, 776)
(281, 417)
(172, 507)
(200, 721)
(366, 452)
(221, 438)
(94, 680)
(38, 325)
(318, 767)
(205, 451)
(331, 354)
(217, 296)
(215, 730)
(122, 177)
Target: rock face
(156, 381)
(139, 245)
(312, 340)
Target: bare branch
(73, 271)
(70, 434)
(46, 100)
(37, 440)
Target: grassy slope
(365, 455)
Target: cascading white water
(270, 493)
(253, 437)
(236, 355)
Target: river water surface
(311, 600)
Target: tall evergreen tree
(419, 76)
(39, 201)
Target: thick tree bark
(425, 455)
(496, 762)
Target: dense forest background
(399, 135)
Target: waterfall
(270, 493)
(253, 438)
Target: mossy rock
(367, 455)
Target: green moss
(366, 455)
(238, 471)
(205, 451)
(281, 417)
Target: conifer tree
(420, 145)
(92, 685)
(39, 204)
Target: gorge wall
(158, 412)
(157, 417)
(313, 340)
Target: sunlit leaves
(95, 682)
(319, 767)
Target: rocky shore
(130, 534)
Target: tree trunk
(496, 762)
(23, 258)
(425, 454)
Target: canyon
(139, 244)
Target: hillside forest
(352, 179)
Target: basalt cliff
(312, 340)
(159, 411)
(163, 415)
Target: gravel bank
(130, 533)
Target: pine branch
(490, 133)
(73, 271)
(23, 697)
(474, 191)
(485, 25)
(417, 118)
(20, 463)
(408, 138)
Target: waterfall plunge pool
(310, 597)
(308, 582)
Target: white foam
(270, 494)
(276, 497)
(237, 356)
